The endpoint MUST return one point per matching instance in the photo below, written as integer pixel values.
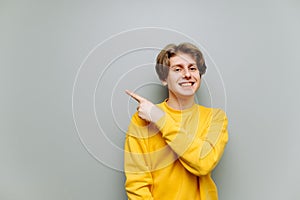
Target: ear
(164, 83)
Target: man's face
(183, 79)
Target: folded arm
(199, 151)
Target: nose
(186, 74)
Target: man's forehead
(182, 58)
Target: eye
(177, 69)
(193, 68)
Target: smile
(186, 84)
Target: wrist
(156, 114)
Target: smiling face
(183, 79)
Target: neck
(180, 103)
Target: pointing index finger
(134, 96)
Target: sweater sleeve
(199, 151)
(138, 176)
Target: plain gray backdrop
(65, 64)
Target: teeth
(186, 84)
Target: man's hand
(146, 109)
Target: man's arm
(138, 177)
(199, 153)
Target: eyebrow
(180, 65)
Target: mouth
(186, 84)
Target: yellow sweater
(173, 158)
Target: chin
(186, 94)
(183, 93)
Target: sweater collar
(172, 110)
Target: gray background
(63, 74)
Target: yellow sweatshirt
(173, 158)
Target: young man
(171, 148)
